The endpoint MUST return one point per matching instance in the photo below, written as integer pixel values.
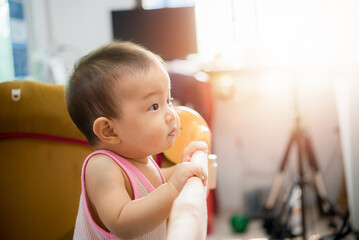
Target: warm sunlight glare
(278, 33)
(214, 27)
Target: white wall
(85, 24)
(69, 29)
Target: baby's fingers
(201, 174)
(197, 146)
(186, 159)
(193, 147)
(204, 177)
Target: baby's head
(113, 82)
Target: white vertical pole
(188, 217)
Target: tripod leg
(270, 222)
(301, 151)
(322, 195)
(273, 194)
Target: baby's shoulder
(102, 164)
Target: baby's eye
(169, 101)
(154, 107)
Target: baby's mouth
(173, 133)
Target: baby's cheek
(156, 137)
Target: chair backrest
(42, 153)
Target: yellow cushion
(39, 178)
(35, 107)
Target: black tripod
(277, 223)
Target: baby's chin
(171, 144)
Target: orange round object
(193, 128)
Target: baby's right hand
(184, 171)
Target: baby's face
(148, 124)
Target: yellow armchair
(42, 153)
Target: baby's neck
(138, 161)
(112, 148)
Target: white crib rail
(188, 217)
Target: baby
(119, 97)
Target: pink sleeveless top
(87, 229)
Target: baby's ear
(104, 130)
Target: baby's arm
(123, 217)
